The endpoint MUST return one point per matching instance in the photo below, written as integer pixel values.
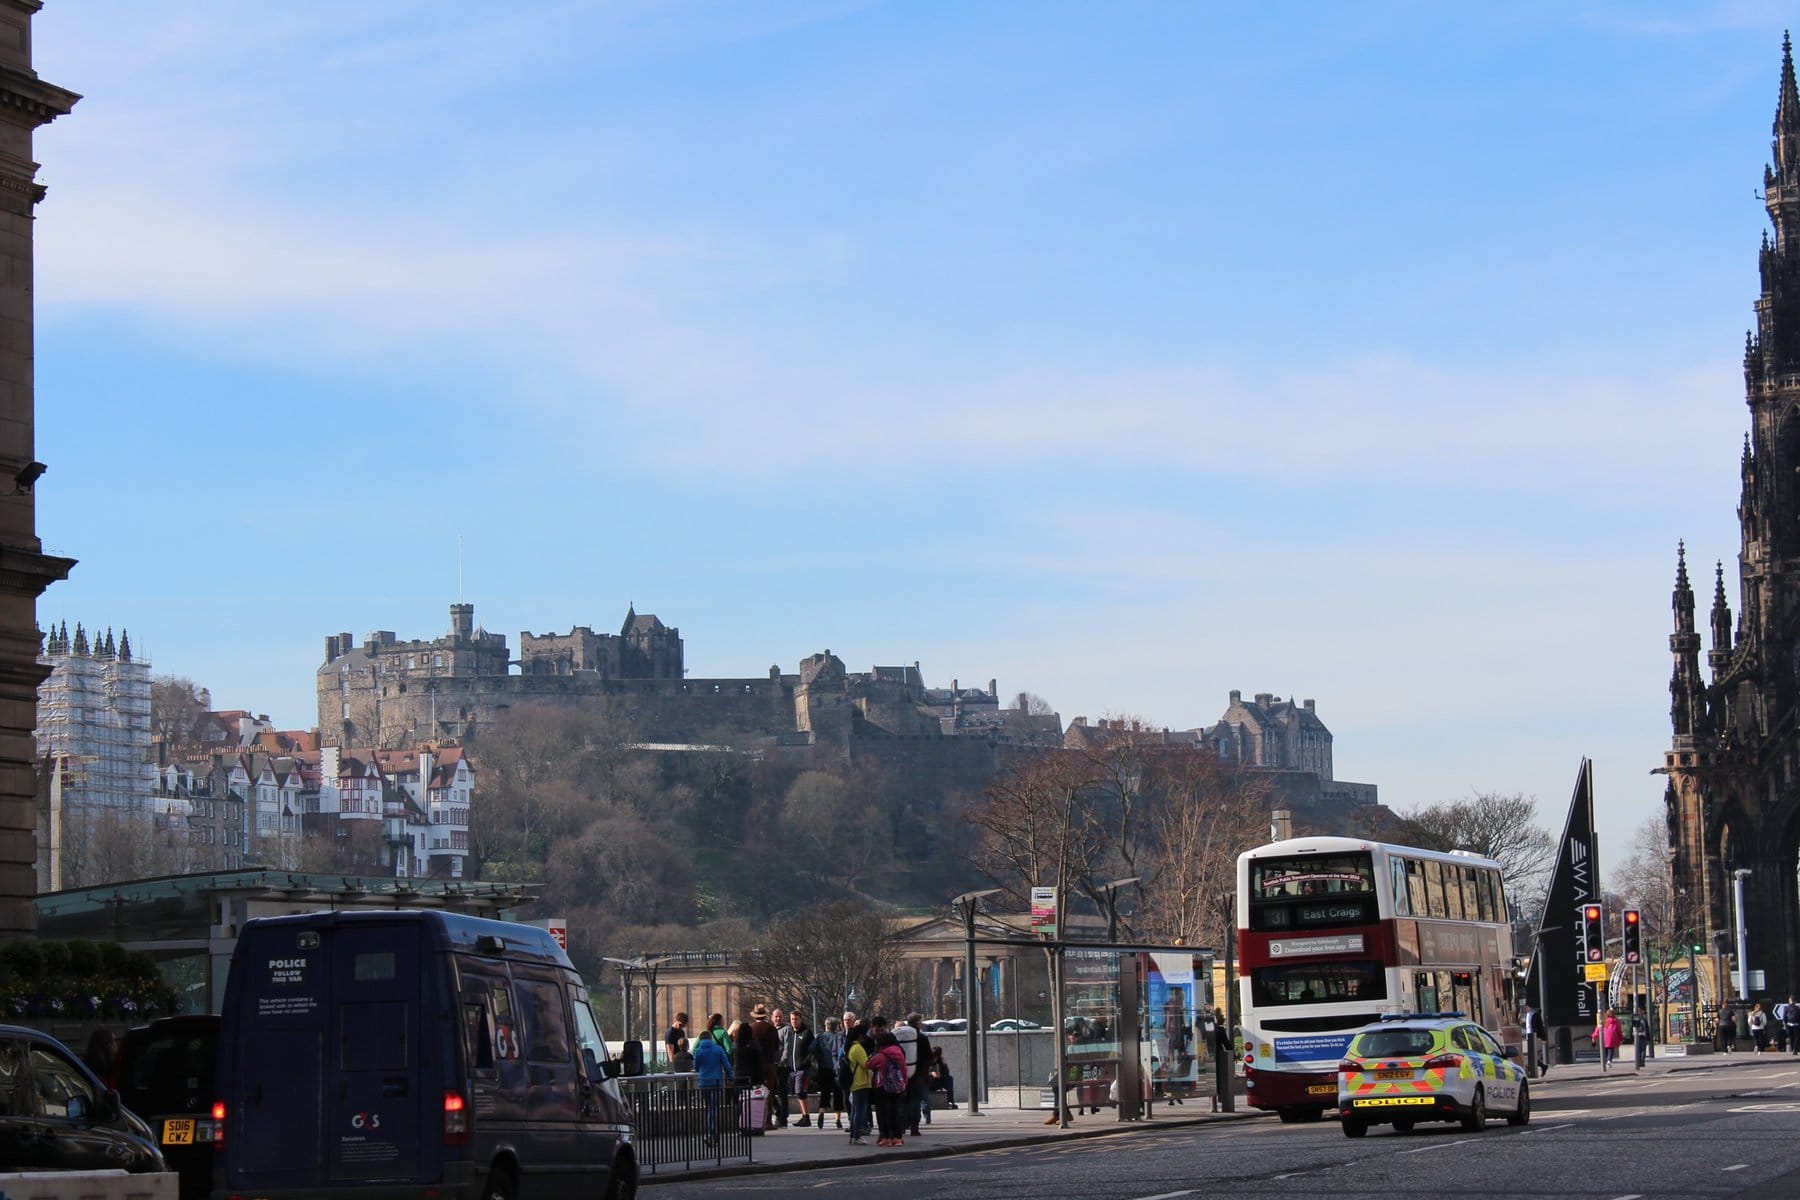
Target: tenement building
(1733, 794)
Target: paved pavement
(957, 1131)
(952, 1131)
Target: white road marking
(1736, 1167)
(1438, 1146)
(1168, 1195)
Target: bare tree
(528, 762)
(176, 706)
(1642, 881)
(101, 844)
(1036, 824)
(822, 956)
(1211, 812)
(1503, 828)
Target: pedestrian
(1727, 1028)
(918, 1070)
(778, 1075)
(1778, 1023)
(1640, 1035)
(1609, 1035)
(715, 1031)
(828, 1052)
(887, 1068)
(749, 1072)
(102, 1056)
(712, 1065)
(939, 1079)
(797, 1057)
(1790, 1024)
(1531, 1024)
(1759, 1028)
(768, 1045)
(675, 1041)
(857, 1059)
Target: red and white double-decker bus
(1333, 933)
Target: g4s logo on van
(366, 1121)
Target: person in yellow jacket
(856, 1052)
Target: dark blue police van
(413, 1054)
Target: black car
(166, 1076)
(56, 1115)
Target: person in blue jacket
(712, 1064)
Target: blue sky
(1128, 353)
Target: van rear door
(276, 1056)
(381, 1081)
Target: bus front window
(1318, 983)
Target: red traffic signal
(1593, 933)
(1634, 952)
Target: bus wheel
(1476, 1121)
(1291, 1116)
(1355, 1127)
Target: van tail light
(1449, 1061)
(456, 1119)
(218, 1125)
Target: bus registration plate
(1322, 1089)
(178, 1131)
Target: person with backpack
(892, 1080)
(856, 1060)
(1759, 1028)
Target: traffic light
(1634, 948)
(1593, 933)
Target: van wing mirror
(612, 1068)
(632, 1055)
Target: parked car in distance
(1012, 1025)
(947, 1025)
(56, 1114)
(166, 1077)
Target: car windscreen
(1393, 1043)
(164, 1071)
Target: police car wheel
(1477, 1118)
(1403, 1125)
(1355, 1127)
(1522, 1114)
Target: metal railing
(680, 1123)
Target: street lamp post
(967, 905)
(1112, 904)
(1743, 964)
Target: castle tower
(1733, 795)
(26, 102)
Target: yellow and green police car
(1429, 1067)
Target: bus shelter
(1139, 1028)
